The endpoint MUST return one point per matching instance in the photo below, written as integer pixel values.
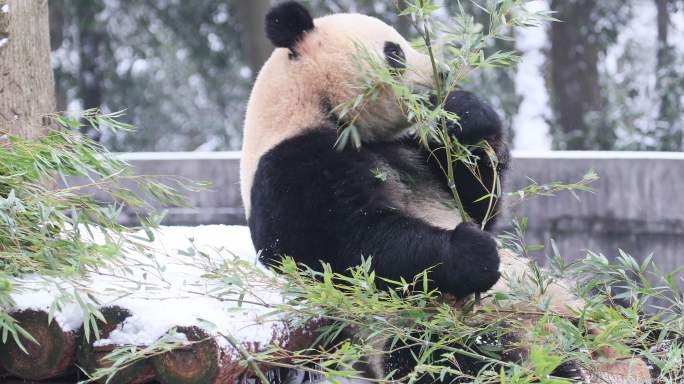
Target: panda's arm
(462, 261)
(314, 204)
(478, 121)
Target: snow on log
(166, 287)
(90, 357)
(53, 355)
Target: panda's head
(319, 59)
(314, 68)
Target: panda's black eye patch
(395, 56)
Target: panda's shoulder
(312, 153)
(306, 175)
(306, 144)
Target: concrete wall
(221, 204)
(638, 205)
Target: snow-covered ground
(174, 291)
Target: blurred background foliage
(609, 76)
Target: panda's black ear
(287, 23)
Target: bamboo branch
(443, 130)
(251, 361)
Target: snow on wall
(176, 297)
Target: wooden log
(291, 338)
(628, 371)
(53, 356)
(91, 358)
(204, 362)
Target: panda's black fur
(328, 205)
(286, 23)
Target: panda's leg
(478, 122)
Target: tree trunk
(27, 89)
(663, 23)
(252, 14)
(575, 86)
(667, 85)
(53, 356)
(91, 43)
(56, 41)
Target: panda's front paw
(473, 266)
(477, 120)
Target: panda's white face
(316, 71)
(332, 51)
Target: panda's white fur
(425, 201)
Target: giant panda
(308, 200)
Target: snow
(3, 41)
(5, 9)
(220, 17)
(69, 318)
(530, 123)
(603, 155)
(677, 29)
(175, 293)
(630, 64)
(245, 72)
(178, 156)
(641, 31)
(75, 106)
(139, 67)
(215, 42)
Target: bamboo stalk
(442, 130)
(251, 362)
